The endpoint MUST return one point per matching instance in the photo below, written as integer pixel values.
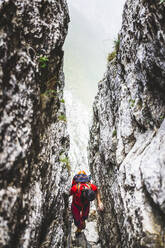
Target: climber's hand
(100, 206)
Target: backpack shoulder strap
(78, 187)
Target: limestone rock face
(33, 138)
(127, 137)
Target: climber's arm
(99, 202)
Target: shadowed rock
(33, 137)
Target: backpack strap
(78, 187)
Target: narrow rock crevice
(126, 138)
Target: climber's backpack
(87, 194)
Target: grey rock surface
(127, 137)
(33, 138)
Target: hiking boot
(78, 232)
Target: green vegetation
(43, 61)
(65, 160)
(132, 102)
(112, 55)
(114, 133)
(162, 1)
(161, 117)
(62, 100)
(62, 118)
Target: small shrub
(132, 102)
(62, 118)
(62, 100)
(161, 117)
(65, 160)
(111, 56)
(43, 60)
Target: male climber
(83, 192)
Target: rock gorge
(34, 141)
(127, 137)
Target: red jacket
(77, 193)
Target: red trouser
(80, 214)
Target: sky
(93, 27)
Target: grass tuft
(65, 160)
(62, 118)
(114, 133)
(111, 56)
(43, 61)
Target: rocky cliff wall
(127, 137)
(33, 138)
